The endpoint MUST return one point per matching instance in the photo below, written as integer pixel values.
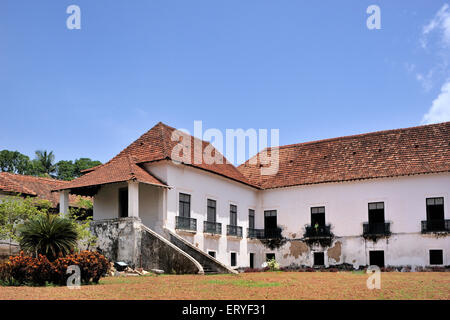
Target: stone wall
(128, 240)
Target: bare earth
(259, 286)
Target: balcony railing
(376, 229)
(185, 223)
(319, 232)
(435, 226)
(212, 227)
(235, 231)
(255, 233)
(264, 233)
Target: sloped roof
(119, 169)
(33, 186)
(390, 153)
(154, 145)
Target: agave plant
(49, 235)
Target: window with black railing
(435, 216)
(317, 231)
(253, 233)
(235, 231)
(440, 225)
(212, 227)
(376, 228)
(185, 223)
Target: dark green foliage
(49, 235)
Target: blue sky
(309, 68)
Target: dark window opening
(436, 257)
(270, 256)
(376, 212)
(233, 215)
(376, 258)
(211, 214)
(435, 209)
(319, 258)
(270, 219)
(252, 260)
(318, 216)
(251, 218)
(212, 253)
(185, 205)
(233, 259)
(123, 202)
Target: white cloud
(440, 108)
(440, 23)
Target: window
(376, 212)
(270, 256)
(233, 215)
(435, 209)
(185, 205)
(270, 219)
(376, 258)
(251, 218)
(212, 253)
(318, 216)
(233, 259)
(123, 202)
(211, 214)
(319, 258)
(436, 257)
(252, 260)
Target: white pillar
(64, 202)
(133, 199)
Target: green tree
(14, 162)
(83, 164)
(45, 162)
(15, 210)
(49, 235)
(65, 170)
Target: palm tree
(49, 235)
(46, 160)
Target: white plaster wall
(346, 207)
(202, 185)
(106, 201)
(151, 206)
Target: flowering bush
(26, 270)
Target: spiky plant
(49, 235)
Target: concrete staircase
(209, 264)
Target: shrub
(273, 265)
(49, 235)
(26, 270)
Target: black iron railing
(318, 231)
(184, 223)
(255, 233)
(212, 227)
(234, 231)
(376, 229)
(435, 226)
(264, 233)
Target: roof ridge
(373, 133)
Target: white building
(378, 198)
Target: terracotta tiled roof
(119, 169)
(33, 186)
(416, 150)
(155, 145)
